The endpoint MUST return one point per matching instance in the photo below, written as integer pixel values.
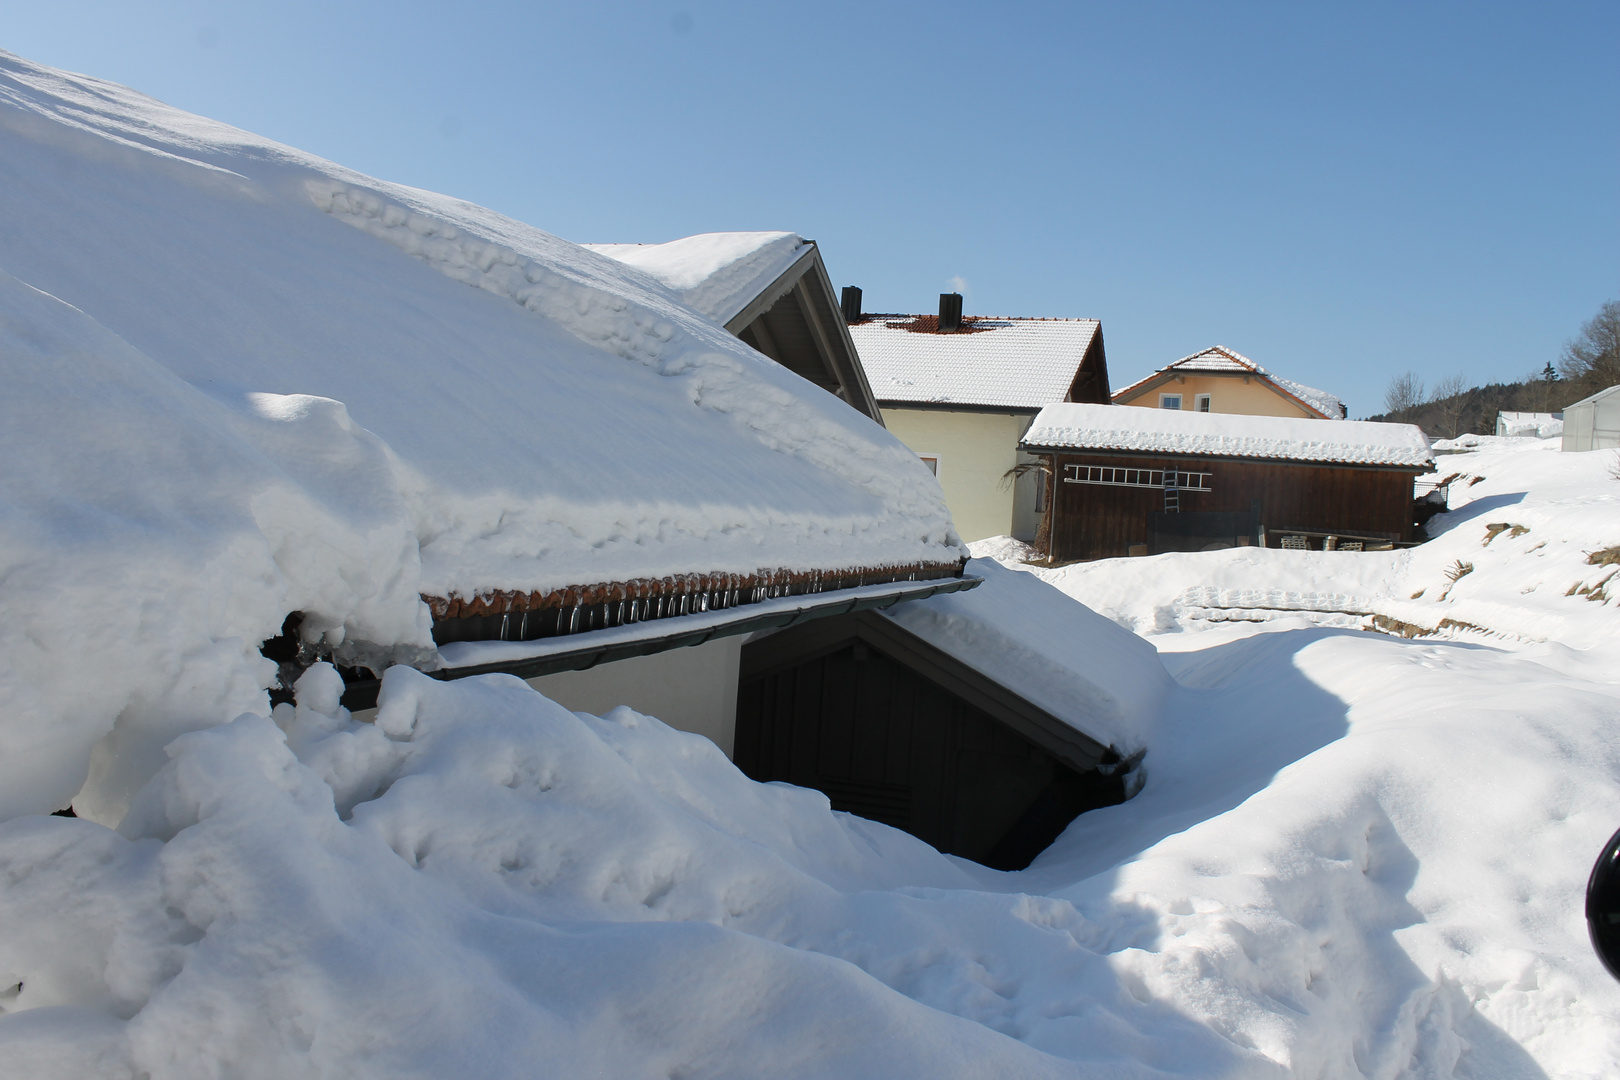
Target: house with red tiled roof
(1218, 380)
(962, 390)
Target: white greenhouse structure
(1593, 423)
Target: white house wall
(693, 689)
(975, 450)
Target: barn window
(1170, 401)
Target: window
(932, 461)
(1201, 403)
(1169, 401)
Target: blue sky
(1341, 192)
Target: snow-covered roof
(1084, 669)
(242, 381)
(716, 273)
(1011, 362)
(1218, 359)
(1599, 396)
(1170, 431)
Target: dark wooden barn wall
(887, 744)
(1092, 521)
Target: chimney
(950, 311)
(851, 303)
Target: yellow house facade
(1218, 380)
(970, 454)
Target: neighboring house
(962, 390)
(1540, 425)
(1219, 380)
(771, 289)
(1131, 482)
(1593, 423)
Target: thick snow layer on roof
(718, 274)
(1026, 635)
(1323, 402)
(243, 381)
(1015, 363)
(1170, 431)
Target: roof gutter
(576, 652)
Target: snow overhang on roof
(1168, 431)
(1095, 676)
(1012, 363)
(717, 274)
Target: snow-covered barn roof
(387, 394)
(1219, 360)
(1282, 438)
(1013, 363)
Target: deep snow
(1356, 855)
(243, 381)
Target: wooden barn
(1144, 481)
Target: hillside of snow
(243, 381)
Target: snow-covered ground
(1356, 855)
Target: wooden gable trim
(1090, 385)
(812, 289)
(790, 648)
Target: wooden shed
(892, 728)
(1141, 481)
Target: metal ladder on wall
(1172, 494)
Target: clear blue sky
(1340, 192)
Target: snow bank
(228, 400)
(718, 274)
(1060, 655)
(1354, 856)
(1169, 431)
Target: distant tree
(1405, 392)
(1450, 400)
(1592, 360)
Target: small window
(932, 461)
(1170, 401)
(1201, 403)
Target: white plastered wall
(975, 451)
(693, 689)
